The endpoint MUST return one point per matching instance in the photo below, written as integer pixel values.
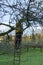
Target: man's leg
(15, 43)
(19, 41)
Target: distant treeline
(25, 38)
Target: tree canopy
(27, 12)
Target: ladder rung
(17, 57)
(17, 51)
(16, 63)
(16, 60)
(17, 54)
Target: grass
(6, 59)
(32, 57)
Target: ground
(32, 57)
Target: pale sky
(27, 31)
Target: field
(6, 59)
(32, 57)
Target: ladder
(17, 54)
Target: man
(18, 35)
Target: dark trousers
(18, 40)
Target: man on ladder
(18, 35)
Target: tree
(27, 12)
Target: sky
(26, 32)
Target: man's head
(18, 24)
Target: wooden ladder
(17, 54)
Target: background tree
(27, 12)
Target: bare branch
(4, 33)
(6, 25)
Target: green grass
(32, 57)
(6, 59)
